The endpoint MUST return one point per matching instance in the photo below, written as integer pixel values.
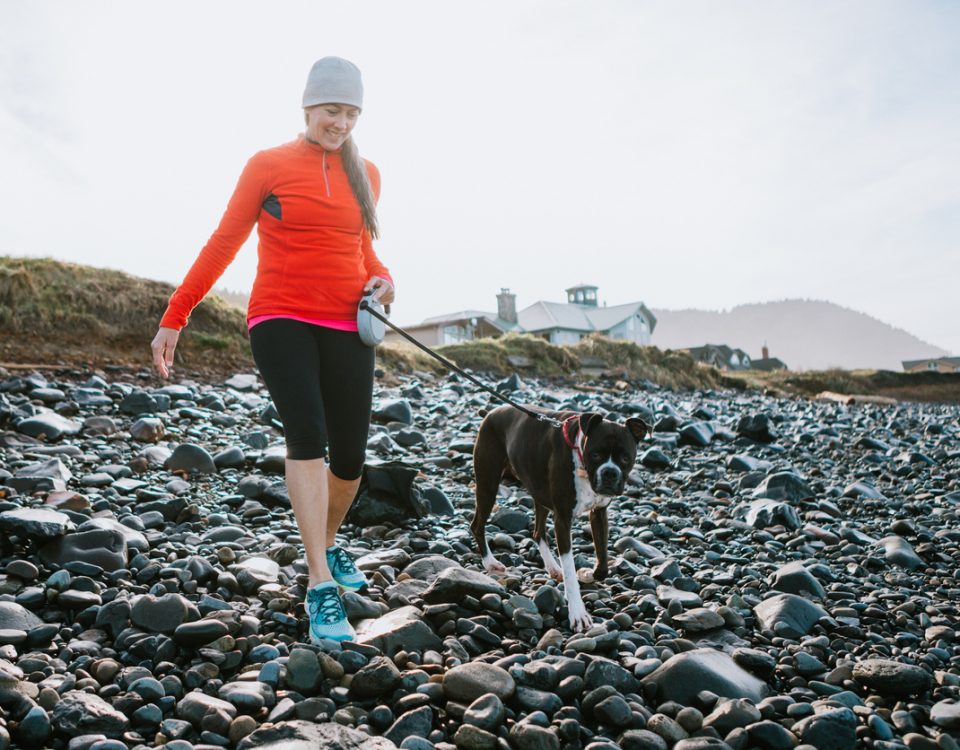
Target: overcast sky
(687, 154)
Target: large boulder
(106, 548)
(387, 494)
(758, 427)
(306, 735)
(788, 615)
(892, 678)
(401, 628)
(794, 578)
(684, 675)
(39, 523)
(79, 713)
(784, 485)
(48, 425)
(453, 584)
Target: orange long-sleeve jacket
(314, 253)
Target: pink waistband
(339, 325)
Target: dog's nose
(609, 475)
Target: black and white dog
(575, 470)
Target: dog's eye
(596, 455)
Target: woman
(314, 203)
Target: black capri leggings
(321, 381)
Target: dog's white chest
(587, 499)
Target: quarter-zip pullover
(314, 255)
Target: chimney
(766, 352)
(507, 306)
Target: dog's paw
(555, 572)
(580, 620)
(492, 565)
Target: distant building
(767, 363)
(720, 356)
(455, 327)
(941, 364)
(557, 322)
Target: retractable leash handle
(370, 326)
(368, 308)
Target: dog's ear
(638, 428)
(589, 421)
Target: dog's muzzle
(609, 480)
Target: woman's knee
(305, 442)
(347, 467)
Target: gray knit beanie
(333, 80)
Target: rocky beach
(784, 573)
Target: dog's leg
(579, 618)
(489, 459)
(543, 542)
(600, 530)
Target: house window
(932, 366)
(455, 334)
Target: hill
(806, 334)
(64, 313)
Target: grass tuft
(56, 312)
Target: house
(720, 356)
(454, 328)
(941, 364)
(767, 363)
(558, 323)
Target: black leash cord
(539, 417)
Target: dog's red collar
(576, 445)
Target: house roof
(454, 317)
(908, 363)
(543, 315)
(460, 315)
(768, 363)
(605, 318)
(722, 349)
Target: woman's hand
(163, 345)
(383, 290)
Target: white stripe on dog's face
(607, 464)
(587, 499)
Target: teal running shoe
(344, 569)
(328, 619)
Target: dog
(572, 470)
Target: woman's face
(329, 124)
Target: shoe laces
(342, 562)
(324, 605)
